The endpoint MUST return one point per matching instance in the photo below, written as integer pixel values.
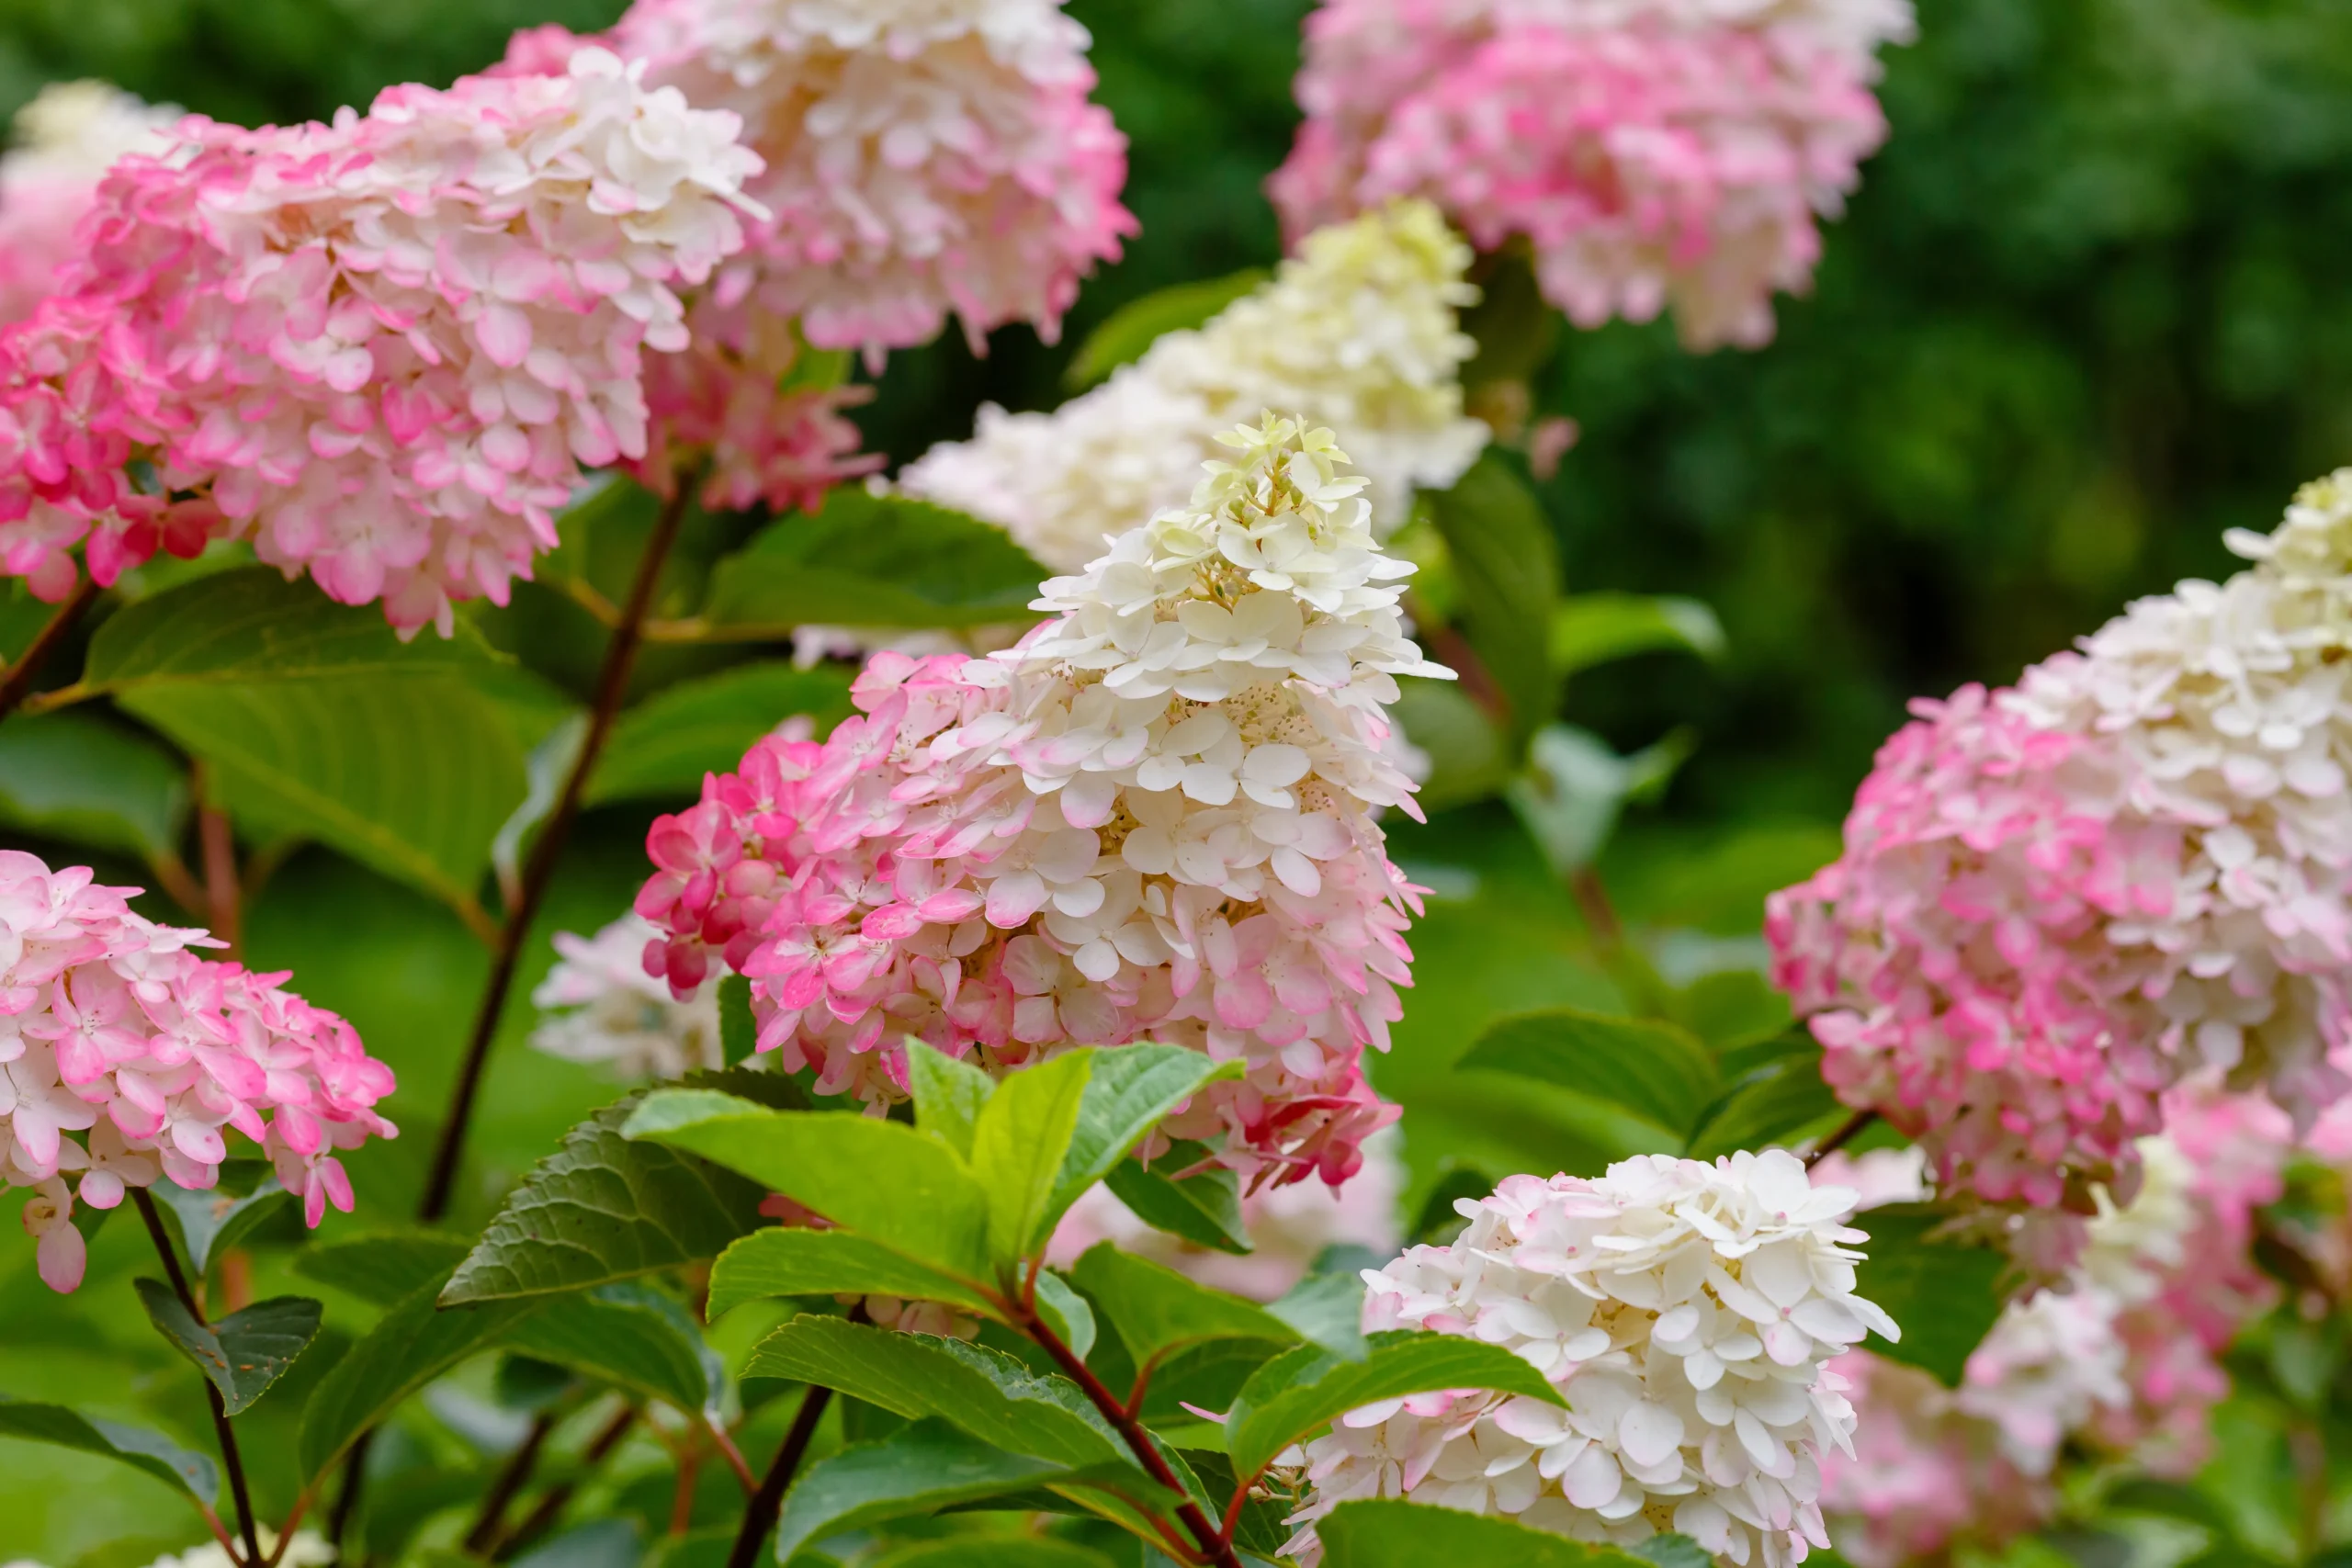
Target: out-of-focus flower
(2057, 901)
(1926, 1474)
(1649, 152)
(1357, 332)
(382, 349)
(601, 1007)
(309, 1549)
(66, 140)
(1154, 818)
(1289, 1227)
(113, 1029)
(1684, 1310)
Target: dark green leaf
(1126, 333)
(381, 1266)
(1775, 1103)
(1391, 1533)
(75, 776)
(739, 1031)
(1437, 1222)
(1258, 1529)
(663, 746)
(1654, 1069)
(211, 1222)
(1594, 628)
(1506, 565)
(603, 1208)
(994, 1551)
(871, 560)
(1018, 1143)
(1303, 1390)
(628, 1335)
(896, 1185)
(192, 1473)
(917, 1470)
(1944, 1294)
(1203, 1209)
(1157, 1310)
(778, 1261)
(244, 1353)
(2146, 1495)
(948, 1095)
(600, 1543)
(1065, 1313)
(1132, 1089)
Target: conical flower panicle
(1154, 818)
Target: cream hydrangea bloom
(1357, 332)
(1684, 1311)
(599, 1005)
(65, 140)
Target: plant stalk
(760, 1515)
(612, 686)
(551, 1504)
(18, 681)
(1845, 1133)
(511, 1480)
(230, 1458)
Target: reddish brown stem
(230, 1459)
(767, 1503)
(511, 1480)
(19, 682)
(550, 1506)
(1846, 1131)
(220, 889)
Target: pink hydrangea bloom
(382, 349)
(1649, 151)
(1155, 817)
(923, 156)
(2057, 901)
(124, 1057)
(65, 140)
(1925, 1477)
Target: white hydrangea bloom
(1684, 1311)
(1357, 332)
(309, 1549)
(602, 1007)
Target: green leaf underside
(1303, 1390)
(1128, 333)
(948, 1095)
(625, 1334)
(1945, 1295)
(665, 745)
(872, 560)
(1132, 1090)
(1391, 1533)
(1157, 1310)
(795, 1262)
(1673, 1551)
(1203, 1209)
(881, 1179)
(919, 1470)
(77, 776)
(1654, 1069)
(1066, 1313)
(193, 1474)
(213, 1221)
(244, 1353)
(1018, 1143)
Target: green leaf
(1507, 566)
(1257, 1529)
(779, 1261)
(1018, 1142)
(1391, 1533)
(739, 1031)
(211, 1222)
(78, 777)
(1303, 1390)
(193, 1474)
(1133, 1089)
(664, 746)
(1673, 1551)
(1470, 757)
(1128, 332)
(906, 1190)
(917, 1470)
(948, 1095)
(1773, 1103)
(411, 1345)
(1656, 1070)
(1945, 1295)
(381, 1266)
(1575, 786)
(411, 774)
(603, 1208)
(1157, 1310)
(1594, 628)
(1065, 1313)
(989, 1394)
(994, 1551)
(1203, 1209)
(628, 1335)
(1327, 1309)
(244, 1353)
(871, 560)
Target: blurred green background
(2087, 310)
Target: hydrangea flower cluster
(923, 157)
(1290, 1227)
(2056, 901)
(1153, 818)
(1684, 1310)
(380, 348)
(65, 140)
(1357, 332)
(1928, 1476)
(598, 1005)
(114, 1028)
(1648, 152)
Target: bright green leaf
(1128, 332)
(1157, 1310)
(1327, 1310)
(917, 1470)
(871, 560)
(1392, 1533)
(1507, 568)
(1943, 1294)
(192, 1473)
(1574, 786)
(780, 1261)
(1133, 1089)
(1654, 1069)
(79, 777)
(1594, 628)
(244, 1353)
(1018, 1142)
(948, 1095)
(739, 1029)
(664, 746)
(1065, 1313)
(1205, 1208)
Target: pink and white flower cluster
(66, 140)
(382, 349)
(113, 1028)
(1650, 152)
(1685, 1311)
(2057, 901)
(1152, 819)
(599, 1005)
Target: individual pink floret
(125, 1057)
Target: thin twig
(354, 1480)
(286, 1530)
(229, 1457)
(178, 883)
(18, 681)
(732, 1455)
(767, 1503)
(550, 1505)
(1847, 1130)
(1453, 650)
(512, 1477)
(612, 686)
(220, 847)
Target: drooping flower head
(382, 349)
(1358, 333)
(2057, 901)
(1152, 819)
(1648, 152)
(125, 1057)
(65, 140)
(1685, 1312)
(599, 1005)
